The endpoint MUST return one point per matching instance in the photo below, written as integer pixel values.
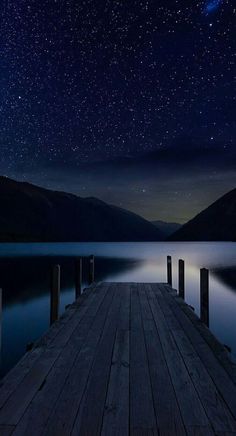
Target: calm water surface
(25, 280)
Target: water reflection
(25, 279)
(226, 276)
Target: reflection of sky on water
(200, 254)
(26, 316)
(23, 323)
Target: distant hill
(166, 229)
(31, 213)
(216, 223)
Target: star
(84, 82)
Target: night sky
(130, 101)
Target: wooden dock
(125, 359)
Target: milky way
(212, 6)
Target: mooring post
(91, 269)
(204, 296)
(0, 320)
(78, 277)
(181, 278)
(169, 271)
(55, 293)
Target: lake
(25, 280)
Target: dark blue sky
(94, 80)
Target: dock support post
(55, 293)
(78, 277)
(0, 321)
(204, 296)
(169, 271)
(181, 278)
(91, 269)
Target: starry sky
(130, 101)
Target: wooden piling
(204, 296)
(0, 320)
(181, 278)
(78, 277)
(169, 271)
(91, 269)
(55, 293)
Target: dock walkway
(125, 359)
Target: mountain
(166, 229)
(31, 213)
(216, 223)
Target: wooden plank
(216, 409)
(88, 309)
(221, 378)
(225, 433)
(37, 414)
(66, 408)
(116, 414)
(6, 430)
(168, 414)
(197, 430)
(16, 405)
(89, 419)
(10, 382)
(124, 317)
(191, 408)
(216, 347)
(142, 415)
(21, 397)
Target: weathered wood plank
(16, 405)
(168, 414)
(26, 390)
(124, 317)
(216, 409)
(218, 349)
(191, 408)
(10, 382)
(89, 419)
(200, 431)
(142, 415)
(116, 414)
(6, 430)
(66, 408)
(37, 414)
(222, 380)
